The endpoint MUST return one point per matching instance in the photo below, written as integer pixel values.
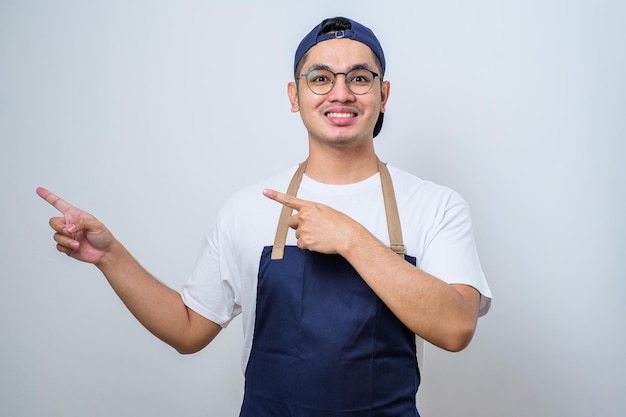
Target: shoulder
(249, 201)
(410, 188)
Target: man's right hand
(78, 233)
(159, 308)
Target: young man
(340, 270)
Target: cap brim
(379, 124)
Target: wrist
(356, 240)
(113, 256)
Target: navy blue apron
(324, 344)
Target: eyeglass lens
(321, 81)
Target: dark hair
(331, 25)
(335, 24)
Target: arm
(159, 308)
(440, 313)
(444, 314)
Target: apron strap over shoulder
(391, 210)
(278, 249)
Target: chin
(339, 141)
(339, 138)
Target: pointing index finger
(56, 201)
(285, 199)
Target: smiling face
(340, 117)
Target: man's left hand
(318, 227)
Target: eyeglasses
(321, 81)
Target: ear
(384, 95)
(292, 92)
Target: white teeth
(340, 115)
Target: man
(335, 282)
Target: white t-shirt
(436, 228)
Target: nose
(340, 90)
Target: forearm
(159, 308)
(443, 314)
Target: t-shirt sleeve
(450, 252)
(211, 290)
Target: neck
(340, 165)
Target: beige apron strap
(278, 249)
(391, 210)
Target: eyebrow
(326, 67)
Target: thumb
(86, 225)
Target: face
(339, 117)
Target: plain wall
(149, 114)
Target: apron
(324, 344)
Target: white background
(149, 114)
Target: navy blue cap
(357, 32)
